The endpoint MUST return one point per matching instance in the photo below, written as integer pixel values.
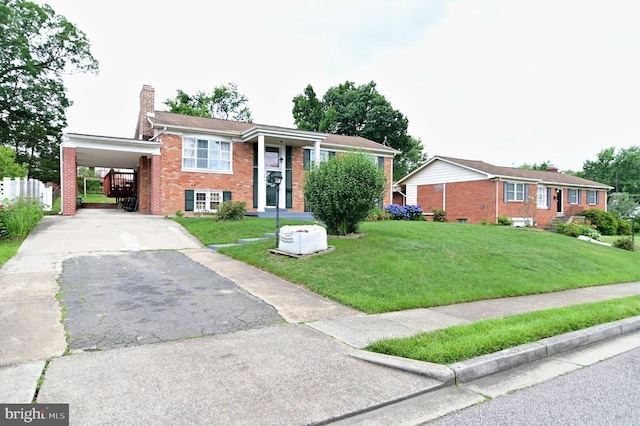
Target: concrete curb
(485, 365)
(437, 372)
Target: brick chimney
(147, 107)
(552, 168)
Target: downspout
(444, 196)
(497, 198)
(159, 134)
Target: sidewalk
(309, 370)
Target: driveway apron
(162, 332)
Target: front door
(272, 164)
(558, 202)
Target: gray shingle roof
(168, 119)
(513, 172)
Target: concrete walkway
(307, 370)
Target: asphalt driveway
(134, 298)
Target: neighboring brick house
(474, 191)
(192, 164)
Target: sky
(508, 82)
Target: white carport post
(262, 187)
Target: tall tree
(37, 47)
(353, 110)
(223, 102)
(618, 169)
(8, 165)
(542, 166)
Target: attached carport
(111, 152)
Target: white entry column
(262, 186)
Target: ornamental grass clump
(342, 191)
(19, 218)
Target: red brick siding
(175, 181)
(144, 175)
(69, 181)
(240, 183)
(398, 199)
(297, 163)
(430, 197)
(155, 180)
(473, 201)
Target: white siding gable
(438, 172)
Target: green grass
(467, 341)
(403, 265)
(97, 198)
(8, 249)
(208, 231)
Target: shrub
(378, 214)
(398, 212)
(179, 213)
(231, 210)
(625, 243)
(504, 221)
(342, 191)
(606, 223)
(439, 215)
(575, 230)
(624, 227)
(19, 218)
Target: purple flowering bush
(398, 212)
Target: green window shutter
(189, 200)
(307, 159)
(226, 195)
(579, 196)
(288, 157)
(506, 188)
(381, 163)
(526, 192)
(597, 197)
(288, 189)
(255, 155)
(332, 154)
(548, 198)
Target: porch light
(277, 179)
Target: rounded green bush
(606, 223)
(342, 191)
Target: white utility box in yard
(303, 239)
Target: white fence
(10, 189)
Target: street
(606, 393)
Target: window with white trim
(542, 197)
(206, 154)
(592, 197)
(324, 156)
(207, 201)
(573, 196)
(515, 191)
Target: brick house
(474, 191)
(192, 164)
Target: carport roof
(107, 151)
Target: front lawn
(403, 265)
(209, 232)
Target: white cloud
(502, 81)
